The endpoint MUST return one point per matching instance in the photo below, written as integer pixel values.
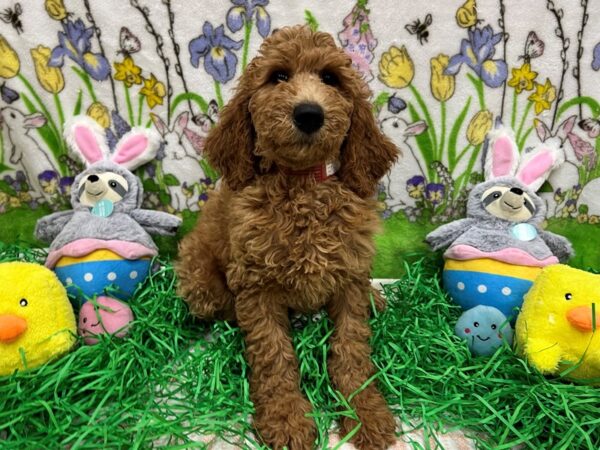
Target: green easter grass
(174, 377)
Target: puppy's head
(300, 104)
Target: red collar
(320, 173)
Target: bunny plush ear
(135, 148)
(87, 139)
(538, 164)
(502, 156)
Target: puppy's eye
(330, 78)
(279, 76)
(476, 324)
(494, 326)
(112, 184)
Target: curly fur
(269, 242)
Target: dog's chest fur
(307, 238)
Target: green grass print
(175, 377)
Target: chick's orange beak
(11, 327)
(581, 318)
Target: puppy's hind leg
(202, 283)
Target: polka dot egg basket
(488, 282)
(101, 272)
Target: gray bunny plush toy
(101, 249)
(494, 255)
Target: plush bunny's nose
(517, 191)
(308, 117)
(93, 178)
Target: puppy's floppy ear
(230, 143)
(367, 154)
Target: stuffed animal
(485, 329)
(496, 253)
(102, 246)
(37, 323)
(556, 330)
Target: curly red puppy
(280, 235)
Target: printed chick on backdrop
(101, 249)
(494, 255)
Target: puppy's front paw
(283, 423)
(377, 431)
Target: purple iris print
(215, 48)
(244, 10)
(477, 53)
(75, 42)
(435, 193)
(596, 57)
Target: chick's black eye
(329, 78)
(475, 324)
(23, 302)
(568, 296)
(279, 76)
(494, 326)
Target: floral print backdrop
(442, 76)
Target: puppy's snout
(93, 178)
(517, 191)
(308, 117)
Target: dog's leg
(201, 283)
(350, 366)
(280, 416)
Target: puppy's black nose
(93, 178)
(308, 117)
(517, 191)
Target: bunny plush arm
(48, 227)
(559, 245)
(156, 222)
(445, 235)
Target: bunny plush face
(508, 203)
(108, 177)
(103, 186)
(512, 179)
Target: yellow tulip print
(50, 78)
(396, 68)
(479, 126)
(99, 112)
(9, 60)
(442, 86)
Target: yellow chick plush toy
(555, 329)
(37, 322)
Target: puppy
(291, 228)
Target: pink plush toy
(104, 315)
